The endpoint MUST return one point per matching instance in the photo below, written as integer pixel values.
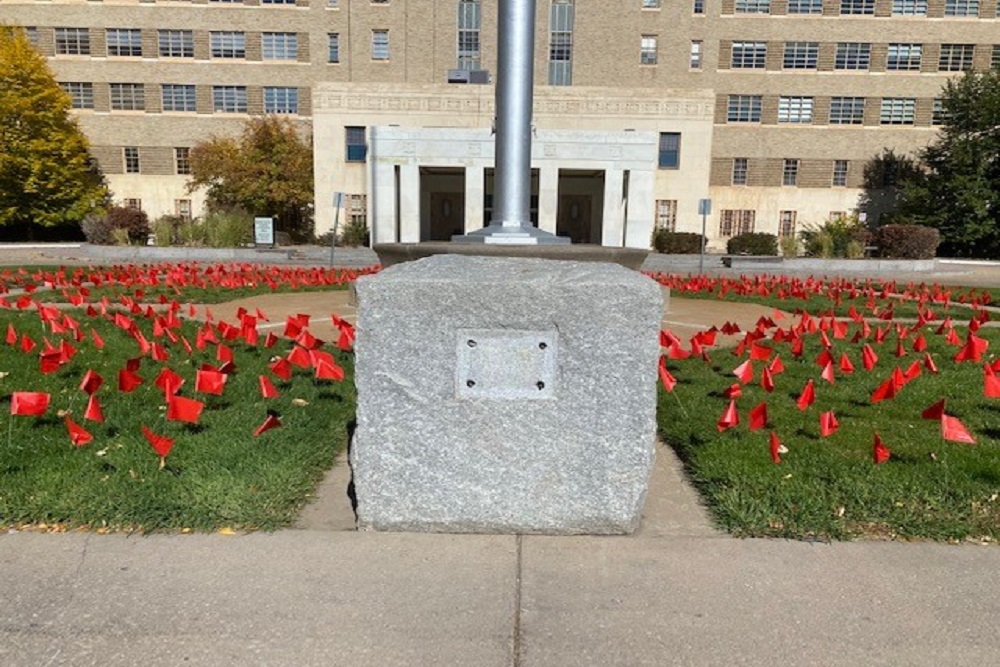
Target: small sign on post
(704, 210)
(338, 201)
(263, 231)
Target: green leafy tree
(960, 192)
(884, 178)
(47, 176)
(267, 170)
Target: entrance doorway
(581, 203)
(442, 203)
(488, 186)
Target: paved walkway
(678, 592)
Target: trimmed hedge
(753, 243)
(677, 243)
(907, 241)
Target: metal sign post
(338, 199)
(704, 209)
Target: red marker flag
(912, 372)
(880, 453)
(929, 363)
(31, 403)
(282, 369)
(93, 411)
(77, 434)
(210, 382)
(11, 335)
(668, 380)
(935, 411)
(272, 421)
(270, 340)
(325, 371)
(884, 391)
(676, 352)
(845, 364)
(758, 417)
(299, 357)
(954, 430)
(766, 381)
(868, 357)
(161, 444)
(808, 395)
(919, 344)
(828, 424)
(991, 386)
(267, 389)
(827, 373)
(91, 382)
(169, 383)
(760, 352)
(184, 409)
(744, 372)
(730, 417)
(776, 367)
(128, 381)
(777, 449)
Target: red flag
(824, 358)
(808, 395)
(766, 381)
(27, 344)
(744, 372)
(776, 367)
(884, 391)
(880, 453)
(730, 417)
(270, 340)
(267, 389)
(954, 430)
(159, 353)
(760, 352)
(223, 353)
(827, 373)
(93, 411)
(282, 369)
(991, 386)
(272, 421)
(912, 372)
(935, 411)
(210, 381)
(668, 380)
(845, 364)
(828, 424)
(300, 357)
(325, 371)
(128, 381)
(676, 352)
(77, 434)
(929, 363)
(32, 403)
(161, 444)
(91, 382)
(919, 344)
(184, 409)
(169, 383)
(868, 357)
(777, 449)
(734, 391)
(758, 417)
(11, 335)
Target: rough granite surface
(433, 453)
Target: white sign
(263, 231)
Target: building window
(853, 56)
(228, 44)
(229, 99)
(909, 7)
(130, 156)
(733, 222)
(647, 50)
(753, 6)
(277, 2)
(333, 4)
(956, 57)
(865, 7)
(176, 43)
(561, 20)
(743, 109)
(740, 170)
(279, 46)
(72, 41)
(938, 116)
(786, 223)
(666, 215)
(357, 209)
(839, 173)
(805, 6)
(182, 160)
(278, 99)
(124, 41)
(82, 94)
(333, 47)
(179, 97)
(128, 96)
(695, 54)
(380, 44)
(469, 21)
(961, 8)
(31, 32)
(699, 7)
(670, 150)
(182, 209)
(800, 55)
(748, 55)
(650, 4)
(847, 111)
(897, 111)
(357, 147)
(133, 203)
(790, 172)
(795, 109)
(904, 57)
(995, 58)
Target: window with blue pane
(357, 148)
(670, 150)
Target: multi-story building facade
(769, 108)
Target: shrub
(753, 243)
(789, 246)
(354, 234)
(166, 229)
(96, 229)
(677, 243)
(907, 241)
(192, 233)
(228, 229)
(133, 221)
(842, 237)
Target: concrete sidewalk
(676, 593)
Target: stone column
(639, 223)
(409, 203)
(548, 198)
(383, 203)
(475, 196)
(612, 233)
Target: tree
(47, 176)
(884, 177)
(960, 192)
(267, 170)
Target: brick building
(643, 107)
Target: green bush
(97, 230)
(354, 234)
(843, 237)
(907, 241)
(753, 243)
(789, 246)
(119, 225)
(677, 243)
(166, 229)
(192, 233)
(228, 229)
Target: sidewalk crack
(517, 606)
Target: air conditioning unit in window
(479, 76)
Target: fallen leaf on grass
(300, 402)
